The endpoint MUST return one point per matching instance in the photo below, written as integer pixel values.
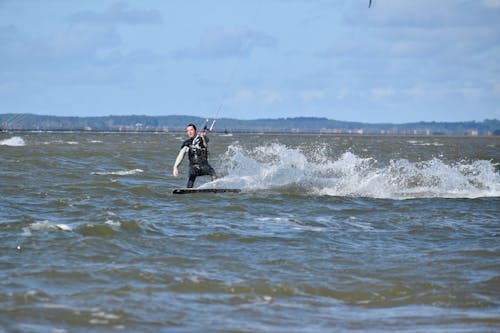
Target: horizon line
(255, 119)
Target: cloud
(412, 42)
(312, 80)
(81, 54)
(227, 43)
(9, 34)
(491, 3)
(144, 57)
(312, 95)
(496, 89)
(84, 40)
(415, 92)
(423, 13)
(433, 92)
(118, 13)
(266, 97)
(76, 44)
(423, 49)
(382, 92)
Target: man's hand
(205, 133)
(175, 172)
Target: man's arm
(204, 136)
(178, 160)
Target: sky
(398, 61)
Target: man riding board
(196, 148)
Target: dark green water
(329, 233)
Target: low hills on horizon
(142, 123)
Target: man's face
(190, 132)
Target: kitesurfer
(196, 148)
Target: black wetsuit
(198, 159)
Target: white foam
(113, 223)
(15, 141)
(420, 143)
(45, 225)
(277, 167)
(119, 173)
(63, 227)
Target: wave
(276, 167)
(45, 226)
(71, 143)
(15, 141)
(119, 173)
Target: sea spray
(15, 141)
(278, 167)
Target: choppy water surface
(330, 233)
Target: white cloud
(312, 95)
(79, 53)
(118, 13)
(415, 91)
(471, 92)
(244, 95)
(345, 93)
(491, 3)
(83, 40)
(271, 97)
(248, 96)
(382, 92)
(496, 89)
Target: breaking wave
(15, 141)
(276, 167)
(118, 173)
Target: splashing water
(15, 141)
(277, 167)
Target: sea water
(329, 233)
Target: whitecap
(15, 141)
(113, 223)
(362, 225)
(63, 227)
(274, 219)
(46, 225)
(105, 315)
(118, 173)
(421, 143)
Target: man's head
(191, 131)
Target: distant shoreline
(305, 125)
(180, 132)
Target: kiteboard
(204, 190)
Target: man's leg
(207, 170)
(211, 173)
(192, 178)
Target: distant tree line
(138, 123)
